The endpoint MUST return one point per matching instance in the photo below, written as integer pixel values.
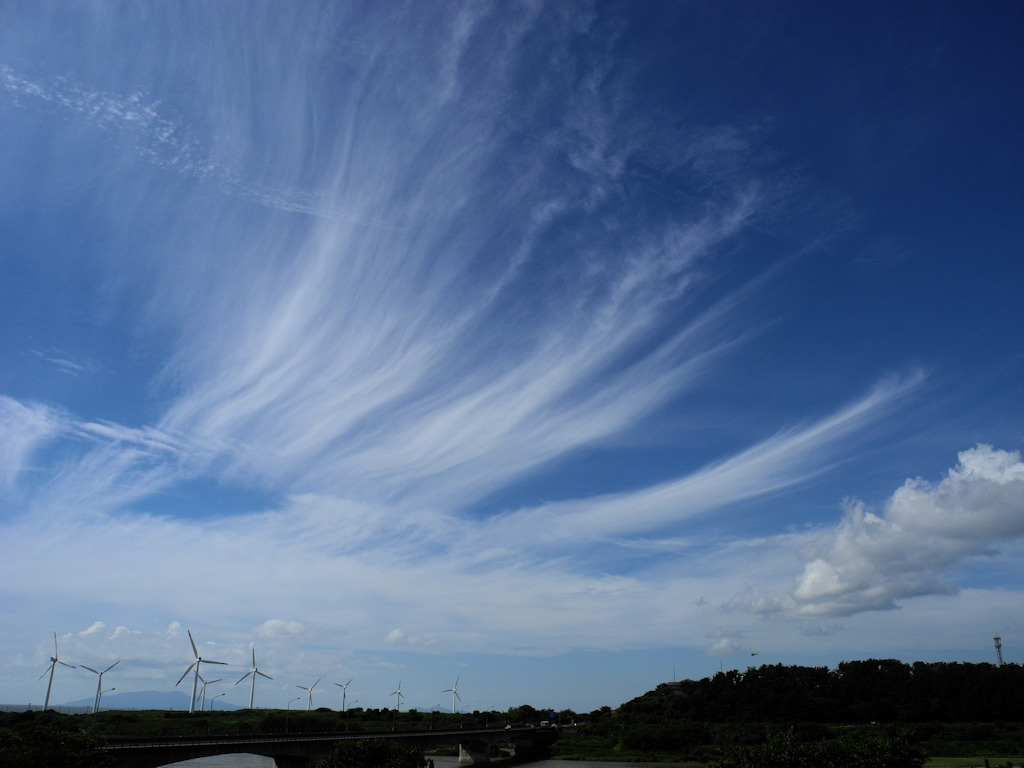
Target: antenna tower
(999, 651)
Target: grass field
(975, 762)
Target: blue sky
(556, 347)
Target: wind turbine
(54, 661)
(344, 693)
(99, 684)
(309, 703)
(398, 695)
(195, 665)
(454, 690)
(206, 682)
(254, 672)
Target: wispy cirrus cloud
(24, 428)
(453, 351)
(784, 460)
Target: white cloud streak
(779, 462)
(24, 427)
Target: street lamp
(215, 698)
(288, 712)
(354, 701)
(99, 696)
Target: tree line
(887, 712)
(874, 690)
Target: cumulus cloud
(97, 626)
(923, 535)
(279, 628)
(401, 637)
(395, 636)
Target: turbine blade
(314, 684)
(187, 671)
(65, 663)
(210, 661)
(243, 677)
(45, 671)
(93, 670)
(263, 675)
(194, 649)
(112, 666)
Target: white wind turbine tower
(309, 703)
(202, 704)
(254, 672)
(344, 693)
(398, 695)
(99, 684)
(195, 665)
(54, 661)
(454, 690)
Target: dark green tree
(784, 749)
(51, 746)
(523, 714)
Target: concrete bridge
(296, 750)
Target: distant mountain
(150, 700)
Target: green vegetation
(877, 714)
(372, 753)
(873, 707)
(35, 739)
(784, 749)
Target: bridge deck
(157, 751)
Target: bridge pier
(474, 753)
(290, 761)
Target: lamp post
(214, 699)
(99, 696)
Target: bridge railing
(155, 742)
